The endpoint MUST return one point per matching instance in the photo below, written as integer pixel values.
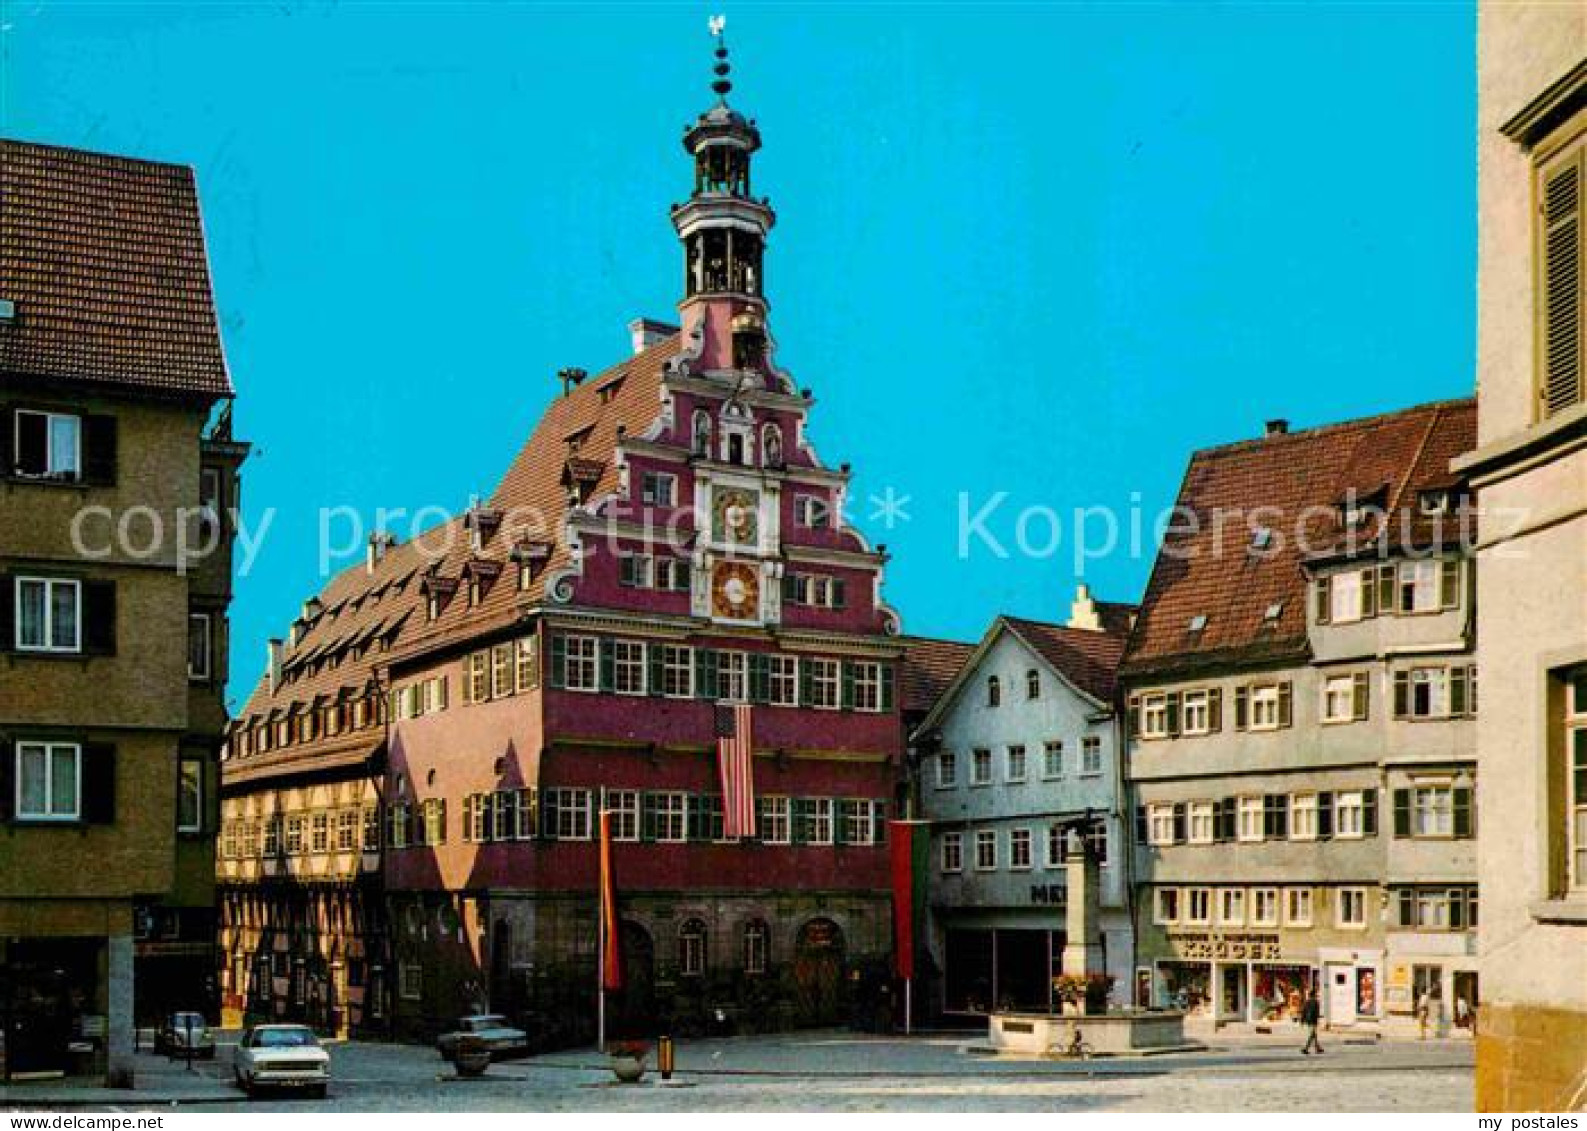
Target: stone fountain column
(1083, 939)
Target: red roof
(928, 670)
(104, 258)
(1088, 659)
(1292, 484)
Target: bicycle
(1076, 1049)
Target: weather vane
(717, 24)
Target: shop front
(1352, 991)
(52, 1005)
(1233, 976)
(999, 961)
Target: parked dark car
(182, 1031)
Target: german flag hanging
(611, 955)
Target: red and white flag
(735, 762)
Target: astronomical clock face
(735, 591)
(735, 516)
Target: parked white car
(491, 1030)
(281, 1056)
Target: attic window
(576, 438)
(1273, 611)
(1198, 622)
(1433, 502)
(608, 392)
(1261, 538)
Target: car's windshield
(490, 1022)
(284, 1039)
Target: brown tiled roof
(104, 258)
(1116, 616)
(384, 612)
(928, 669)
(1088, 659)
(1299, 480)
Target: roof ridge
(1333, 427)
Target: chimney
(1083, 610)
(646, 332)
(275, 650)
(379, 543)
(1278, 427)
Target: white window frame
(947, 769)
(1196, 713)
(1052, 760)
(1346, 896)
(1433, 811)
(1264, 907)
(981, 760)
(1303, 816)
(570, 810)
(1575, 756)
(782, 681)
(1346, 597)
(677, 671)
(1168, 905)
(732, 676)
(1350, 814)
(1194, 917)
(524, 663)
(658, 489)
(952, 859)
(1298, 907)
(859, 821)
(1154, 715)
(624, 806)
(48, 587)
(50, 751)
(1014, 763)
(812, 512)
(1019, 850)
(1332, 688)
(820, 820)
(756, 941)
(826, 684)
(672, 817)
(182, 764)
(776, 821)
(1200, 822)
(1056, 837)
(628, 667)
(1249, 820)
(985, 850)
(1420, 579)
(1231, 907)
(1438, 683)
(867, 686)
(51, 470)
(1264, 707)
(502, 674)
(581, 664)
(1160, 823)
(1090, 756)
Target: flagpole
(600, 932)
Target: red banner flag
(908, 843)
(611, 954)
(735, 758)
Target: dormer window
(1434, 502)
(1261, 539)
(1198, 622)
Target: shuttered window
(1561, 265)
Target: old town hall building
(664, 566)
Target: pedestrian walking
(1311, 1017)
(1424, 1011)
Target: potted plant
(1083, 994)
(628, 1060)
(472, 1055)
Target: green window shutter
(559, 661)
(1325, 815)
(696, 828)
(1323, 589)
(848, 685)
(840, 593)
(627, 572)
(647, 817)
(799, 817)
(1457, 691)
(1449, 583)
(879, 821)
(1402, 812)
(99, 617)
(1242, 707)
(656, 654)
(99, 450)
(806, 683)
(1360, 695)
(887, 688)
(1215, 709)
(1132, 716)
(759, 677)
(706, 673)
(790, 588)
(1369, 593)
(608, 654)
(1369, 812)
(1464, 812)
(1562, 258)
(840, 812)
(1402, 694)
(548, 820)
(1406, 902)
(1173, 714)
(1286, 704)
(98, 768)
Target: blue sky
(1045, 250)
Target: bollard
(664, 1056)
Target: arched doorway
(631, 1012)
(818, 972)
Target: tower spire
(722, 84)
